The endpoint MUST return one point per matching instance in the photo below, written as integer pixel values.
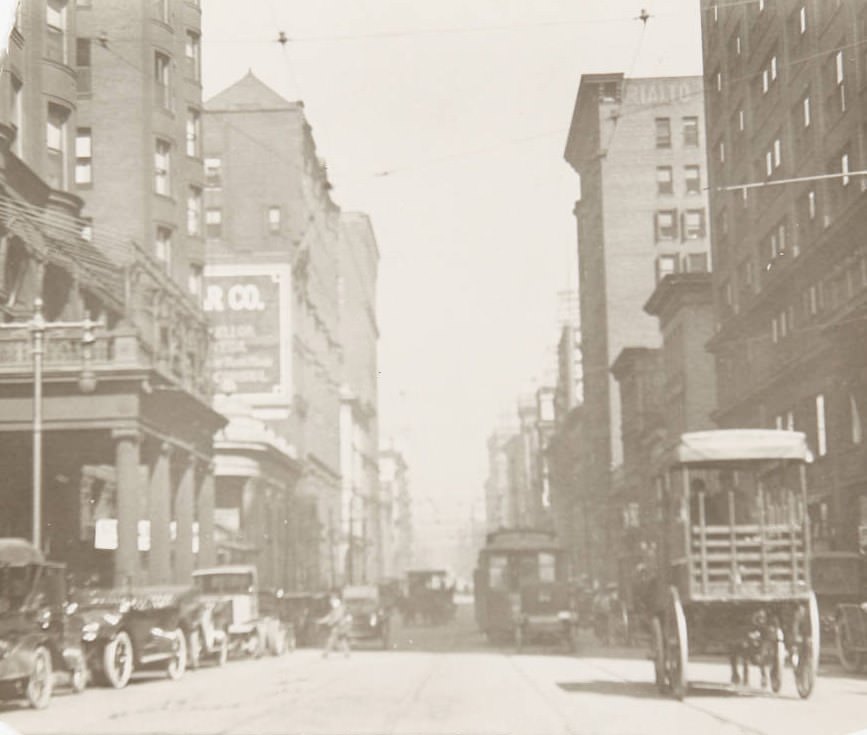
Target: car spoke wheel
(194, 649)
(178, 664)
(117, 660)
(677, 646)
(41, 680)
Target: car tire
(194, 649)
(117, 660)
(40, 683)
(178, 663)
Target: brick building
(638, 148)
(127, 477)
(273, 253)
(784, 100)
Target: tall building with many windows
(638, 148)
(138, 133)
(785, 83)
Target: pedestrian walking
(339, 622)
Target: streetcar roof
(741, 445)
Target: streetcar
(521, 588)
(734, 548)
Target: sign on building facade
(249, 309)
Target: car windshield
(225, 583)
(15, 584)
(361, 604)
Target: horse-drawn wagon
(734, 549)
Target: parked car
(134, 629)
(40, 631)
(370, 616)
(249, 632)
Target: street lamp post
(87, 383)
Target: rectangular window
(805, 108)
(821, 438)
(16, 113)
(721, 151)
(55, 30)
(666, 224)
(83, 157)
(82, 65)
(193, 55)
(844, 169)
(690, 132)
(162, 80)
(697, 263)
(802, 19)
(664, 180)
(161, 10)
(811, 204)
(213, 223)
(692, 177)
(194, 212)
(163, 246)
(274, 220)
(162, 167)
(778, 153)
(693, 227)
(194, 133)
(55, 143)
(741, 120)
(857, 432)
(663, 132)
(194, 282)
(213, 173)
(665, 265)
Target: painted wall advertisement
(247, 308)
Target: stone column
(126, 447)
(184, 520)
(160, 516)
(205, 513)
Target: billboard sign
(248, 308)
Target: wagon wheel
(778, 661)
(41, 679)
(850, 659)
(676, 645)
(659, 656)
(805, 656)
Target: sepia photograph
(433, 367)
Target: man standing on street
(339, 622)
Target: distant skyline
(446, 121)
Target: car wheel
(41, 679)
(78, 677)
(178, 664)
(194, 649)
(117, 660)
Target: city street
(447, 680)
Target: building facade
(127, 424)
(273, 234)
(786, 149)
(367, 535)
(394, 483)
(638, 148)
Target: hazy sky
(464, 105)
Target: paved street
(447, 681)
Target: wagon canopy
(18, 552)
(741, 445)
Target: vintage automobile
(370, 616)
(544, 612)
(40, 631)
(430, 597)
(249, 632)
(134, 629)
